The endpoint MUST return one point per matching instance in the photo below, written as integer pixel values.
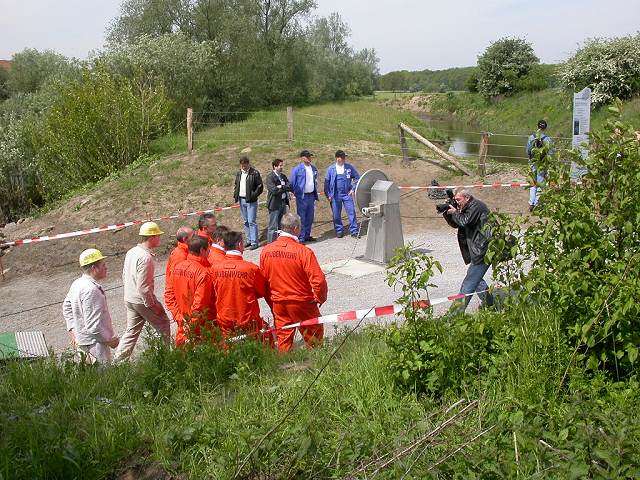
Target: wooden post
(482, 154)
(441, 153)
(403, 146)
(189, 130)
(2, 269)
(290, 124)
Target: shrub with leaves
(584, 250)
(610, 67)
(502, 65)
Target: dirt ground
(39, 274)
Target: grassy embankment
(518, 114)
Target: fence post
(189, 130)
(403, 146)
(482, 154)
(290, 124)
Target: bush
(610, 67)
(502, 65)
(95, 126)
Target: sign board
(22, 345)
(581, 127)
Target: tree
(4, 87)
(30, 69)
(502, 64)
(610, 67)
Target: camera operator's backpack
(537, 142)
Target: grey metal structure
(379, 199)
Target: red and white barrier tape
(355, 315)
(476, 185)
(120, 226)
(117, 226)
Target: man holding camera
(469, 215)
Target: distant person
(339, 185)
(86, 313)
(177, 255)
(207, 226)
(238, 285)
(304, 181)
(141, 303)
(216, 252)
(536, 141)
(248, 187)
(470, 217)
(297, 285)
(278, 188)
(192, 286)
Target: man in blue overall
(339, 185)
(304, 181)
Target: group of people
(211, 292)
(339, 184)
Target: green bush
(610, 67)
(502, 65)
(95, 126)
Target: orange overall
(216, 255)
(192, 286)
(297, 286)
(177, 255)
(238, 285)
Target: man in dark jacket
(278, 188)
(248, 187)
(470, 218)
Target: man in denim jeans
(248, 187)
(536, 142)
(470, 217)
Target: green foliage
(4, 86)
(31, 69)
(502, 65)
(95, 126)
(427, 80)
(610, 67)
(583, 249)
(471, 84)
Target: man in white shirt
(86, 313)
(248, 187)
(140, 299)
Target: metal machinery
(379, 200)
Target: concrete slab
(352, 267)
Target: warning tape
(356, 315)
(120, 226)
(476, 185)
(114, 227)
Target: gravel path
(345, 292)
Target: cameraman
(469, 215)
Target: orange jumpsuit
(297, 285)
(192, 286)
(205, 234)
(238, 285)
(216, 255)
(177, 255)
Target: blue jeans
(336, 207)
(305, 207)
(473, 283)
(534, 192)
(249, 212)
(275, 216)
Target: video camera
(451, 202)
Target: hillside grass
(519, 113)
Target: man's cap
(306, 153)
(542, 124)
(89, 256)
(341, 154)
(150, 229)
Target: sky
(406, 34)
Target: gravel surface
(345, 292)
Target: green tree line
(66, 123)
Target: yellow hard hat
(150, 229)
(89, 256)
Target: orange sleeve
(316, 276)
(169, 293)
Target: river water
(463, 140)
